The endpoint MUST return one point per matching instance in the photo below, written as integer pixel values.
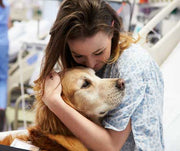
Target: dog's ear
(61, 74)
(65, 99)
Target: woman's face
(92, 51)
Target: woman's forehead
(94, 43)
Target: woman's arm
(92, 135)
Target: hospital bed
(166, 52)
(161, 50)
(27, 32)
(18, 111)
(26, 47)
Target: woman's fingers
(52, 80)
(53, 87)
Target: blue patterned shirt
(143, 102)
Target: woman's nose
(90, 63)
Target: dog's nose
(120, 84)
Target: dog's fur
(84, 91)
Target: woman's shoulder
(135, 53)
(135, 59)
(134, 62)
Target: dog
(90, 95)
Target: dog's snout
(120, 84)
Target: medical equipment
(19, 76)
(125, 10)
(26, 44)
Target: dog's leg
(40, 139)
(10, 138)
(7, 140)
(71, 143)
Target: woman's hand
(52, 90)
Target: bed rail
(161, 50)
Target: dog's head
(84, 91)
(89, 94)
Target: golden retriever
(92, 96)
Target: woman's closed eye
(99, 53)
(78, 56)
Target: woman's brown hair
(1, 4)
(81, 18)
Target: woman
(87, 33)
(4, 46)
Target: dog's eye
(86, 84)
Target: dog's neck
(95, 119)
